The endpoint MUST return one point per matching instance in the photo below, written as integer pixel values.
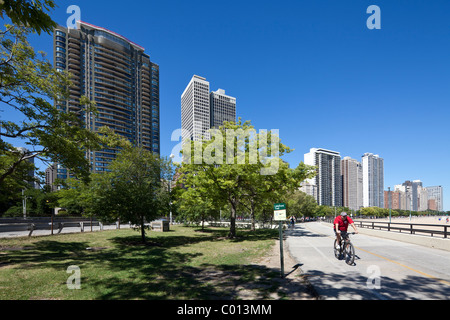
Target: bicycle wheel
(349, 254)
(337, 250)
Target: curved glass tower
(118, 75)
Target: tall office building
(202, 110)
(373, 180)
(352, 183)
(195, 109)
(413, 190)
(50, 176)
(328, 180)
(436, 197)
(118, 75)
(392, 199)
(223, 108)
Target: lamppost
(24, 204)
(390, 203)
(410, 207)
(170, 187)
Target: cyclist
(341, 225)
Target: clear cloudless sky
(310, 68)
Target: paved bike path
(383, 270)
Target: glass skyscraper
(118, 75)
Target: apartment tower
(119, 77)
(223, 108)
(328, 180)
(373, 180)
(202, 110)
(195, 110)
(436, 197)
(352, 183)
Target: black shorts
(343, 233)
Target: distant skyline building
(195, 109)
(413, 189)
(395, 199)
(436, 198)
(202, 110)
(352, 183)
(50, 176)
(373, 180)
(223, 108)
(119, 77)
(328, 180)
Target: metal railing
(432, 230)
(54, 227)
(411, 228)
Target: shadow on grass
(162, 273)
(133, 270)
(208, 282)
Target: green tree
(195, 206)
(32, 88)
(300, 204)
(71, 198)
(134, 190)
(239, 166)
(32, 14)
(12, 186)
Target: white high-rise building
(373, 180)
(436, 193)
(195, 110)
(328, 180)
(223, 108)
(422, 201)
(352, 183)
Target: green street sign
(279, 206)
(279, 212)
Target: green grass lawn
(184, 263)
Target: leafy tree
(39, 203)
(12, 186)
(30, 86)
(134, 190)
(300, 204)
(239, 166)
(32, 14)
(195, 206)
(71, 198)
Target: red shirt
(343, 225)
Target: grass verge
(184, 263)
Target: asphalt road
(383, 270)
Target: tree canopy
(32, 88)
(239, 166)
(134, 190)
(33, 14)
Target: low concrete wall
(427, 241)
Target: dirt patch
(260, 280)
(294, 286)
(3, 248)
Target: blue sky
(311, 69)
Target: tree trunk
(143, 229)
(252, 214)
(232, 233)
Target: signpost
(280, 216)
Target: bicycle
(345, 249)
